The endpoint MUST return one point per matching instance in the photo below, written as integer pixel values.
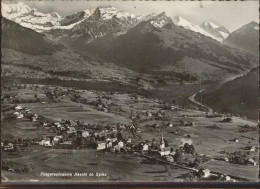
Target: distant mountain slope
(239, 96)
(25, 40)
(245, 38)
(148, 49)
(207, 28)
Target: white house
(251, 162)
(159, 115)
(71, 130)
(101, 146)
(226, 159)
(57, 124)
(169, 124)
(113, 139)
(42, 142)
(120, 144)
(138, 130)
(57, 139)
(129, 140)
(173, 107)
(45, 143)
(18, 115)
(34, 118)
(85, 133)
(18, 107)
(149, 114)
(48, 143)
(204, 173)
(145, 147)
(165, 151)
(8, 147)
(169, 158)
(109, 144)
(226, 178)
(252, 149)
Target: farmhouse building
(101, 146)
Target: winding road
(210, 110)
(192, 99)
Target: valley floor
(213, 139)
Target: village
(159, 131)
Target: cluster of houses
(21, 112)
(152, 149)
(8, 147)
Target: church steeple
(162, 145)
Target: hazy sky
(230, 14)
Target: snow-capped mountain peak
(30, 17)
(108, 12)
(14, 10)
(219, 32)
(40, 22)
(210, 24)
(160, 20)
(180, 21)
(208, 28)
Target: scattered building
(145, 147)
(170, 158)
(18, 107)
(250, 148)
(9, 147)
(204, 173)
(101, 145)
(251, 161)
(169, 124)
(85, 133)
(19, 115)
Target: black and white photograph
(129, 91)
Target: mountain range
(41, 22)
(151, 44)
